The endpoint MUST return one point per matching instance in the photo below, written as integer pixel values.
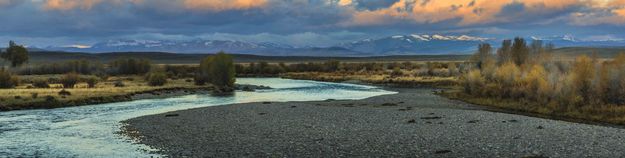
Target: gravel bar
(411, 123)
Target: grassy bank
(27, 97)
(374, 78)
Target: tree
(583, 76)
(218, 70)
(504, 54)
(520, 51)
(16, 54)
(483, 55)
(69, 80)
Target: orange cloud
(467, 11)
(212, 5)
(221, 5)
(69, 4)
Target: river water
(93, 130)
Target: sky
(42, 23)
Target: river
(93, 130)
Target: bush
(583, 76)
(473, 82)
(156, 78)
(41, 83)
(34, 95)
(218, 70)
(64, 92)
(119, 84)
(397, 72)
(8, 80)
(69, 80)
(91, 81)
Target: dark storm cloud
(41, 22)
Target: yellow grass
(374, 78)
(23, 95)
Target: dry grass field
(26, 97)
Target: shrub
(41, 83)
(156, 78)
(69, 80)
(64, 92)
(34, 95)
(397, 72)
(507, 76)
(7, 79)
(583, 76)
(50, 98)
(536, 85)
(218, 70)
(119, 84)
(91, 81)
(473, 82)
(453, 70)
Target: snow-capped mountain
(413, 44)
(417, 44)
(571, 41)
(208, 46)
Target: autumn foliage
(527, 74)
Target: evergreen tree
(16, 54)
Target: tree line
(217, 70)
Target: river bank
(413, 122)
(24, 99)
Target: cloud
(466, 12)
(211, 5)
(221, 5)
(299, 21)
(70, 4)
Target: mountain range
(414, 44)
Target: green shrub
(218, 70)
(41, 83)
(156, 78)
(69, 80)
(7, 79)
(91, 81)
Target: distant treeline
(88, 67)
(419, 69)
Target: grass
(611, 114)
(23, 97)
(374, 78)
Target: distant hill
(177, 58)
(413, 44)
(209, 46)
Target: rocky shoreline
(412, 123)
